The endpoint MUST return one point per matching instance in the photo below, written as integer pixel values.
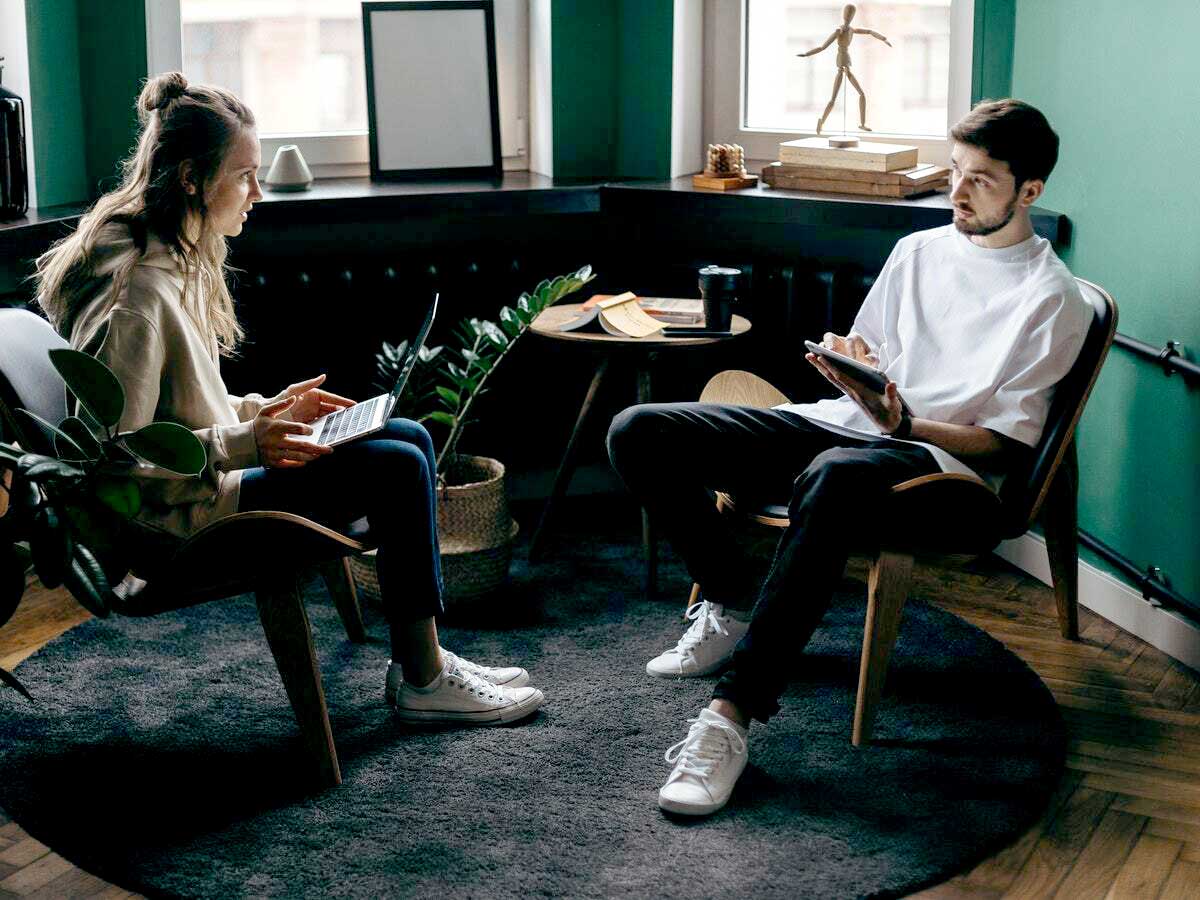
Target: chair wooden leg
(887, 591)
(693, 599)
(1060, 526)
(285, 622)
(340, 583)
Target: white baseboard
(1171, 632)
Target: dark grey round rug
(163, 757)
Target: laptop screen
(414, 349)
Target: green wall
(992, 50)
(112, 65)
(611, 76)
(86, 63)
(1121, 85)
(55, 101)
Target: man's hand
(886, 410)
(276, 448)
(311, 403)
(853, 346)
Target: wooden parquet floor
(1123, 823)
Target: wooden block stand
(723, 182)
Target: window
(299, 65)
(759, 92)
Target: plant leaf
(81, 435)
(87, 583)
(52, 545)
(121, 495)
(11, 680)
(36, 468)
(12, 581)
(75, 448)
(443, 418)
(92, 383)
(451, 397)
(169, 445)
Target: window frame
(724, 85)
(346, 154)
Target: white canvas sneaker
(506, 676)
(707, 765)
(705, 646)
(460, 695)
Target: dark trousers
(388, 477)
(672, 455)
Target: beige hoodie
(169, 371)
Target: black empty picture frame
(433, 107)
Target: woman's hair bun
(161, 90)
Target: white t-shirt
(970, 335)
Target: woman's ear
(187, 179)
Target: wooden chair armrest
(233, 554)
(941, 478)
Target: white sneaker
(705, 647)
(507, 676)
(460, 695)
(707, 765)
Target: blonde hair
(179, 124)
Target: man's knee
(632, 428)
(838, 474)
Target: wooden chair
(185, 573)
(1048, 488)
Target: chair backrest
(1023, 492)
(27, 378)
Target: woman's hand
(311, 403)
(276, 448)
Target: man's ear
(187, 177)
(1030, 191)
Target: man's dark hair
(1014, 132)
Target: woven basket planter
(475, 533)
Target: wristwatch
(904, 429)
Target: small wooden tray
(723, 183)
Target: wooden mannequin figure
(843, 35)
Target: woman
(141, 285)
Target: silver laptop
(370, 415)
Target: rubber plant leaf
(56, 432)
(87, 583)
(75, 428)
(12, 581)
(92, 383)
(121, 495)
(52, 545)
(170, 446)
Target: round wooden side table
(635, 353)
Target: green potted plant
(71, 514)
(475, 531)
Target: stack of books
(869, 169)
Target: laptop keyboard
(348, 422)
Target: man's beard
(983, 228)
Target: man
(973, 324)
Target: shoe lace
(465, 664)
(476, 684)
(704, 619)
(706, 745)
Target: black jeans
(389, 477)
(672, 455)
